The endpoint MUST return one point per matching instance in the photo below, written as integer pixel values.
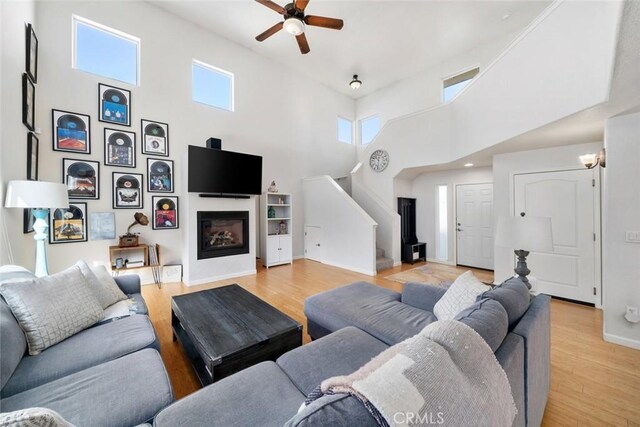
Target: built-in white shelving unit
(276, 244)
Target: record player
(130, 239)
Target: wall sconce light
(590, 161)
(355, 83)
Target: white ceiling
(382, 41)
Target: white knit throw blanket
(446, 375)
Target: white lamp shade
(527, 233)
(36, 194)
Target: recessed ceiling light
(468, 165)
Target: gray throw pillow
(52, 308)
(338, 410)
(489, 319)
(102, 285)
(514, 296)
(33, 417)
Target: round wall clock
(379, 160)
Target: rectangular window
(442, 226)
(455, 84)
(369, 128)
(212, 86)
(345, 130)
(101, 50)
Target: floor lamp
(524, 234)
(40, 196)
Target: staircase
(382, 262)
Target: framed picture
(31, 55)
(159, 176)
(115, 105)
(68, 225)
(155, 138)
(28, 221)
(71, 132)
(102, 226)
(82, 178)
(127, 190)
(119, 148)
(33, 145)
(165, 212)
(28, 102)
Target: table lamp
(524, 234)
(40, 196)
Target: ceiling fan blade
(271, 31)
(301, 4)
(324, 22)
(303, 44)
(271, 5)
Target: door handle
(318, 244)
(459, 229)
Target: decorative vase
(271, 212)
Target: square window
(369, 128)
(453, 85)
(212, 86)
(345, 130)
(101, 50)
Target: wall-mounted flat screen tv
(223, 172)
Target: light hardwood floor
(593, 383)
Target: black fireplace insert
(223, 233)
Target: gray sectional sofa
(352, 324)
(108, 375)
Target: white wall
(13, 134)
(541, 78)
(288, 119)
(424, 189)
(348, 233)
(621, 213)
(506, 165)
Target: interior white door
(568, 198)
(474, 225)
(312, 245)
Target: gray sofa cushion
(514, 296)
(123, 392)
(261, 395)
(340, 353)
(489, 319)
(510, 355)
(421, 295)
(340, 410)
(52, 308)
(103, 288)
(373, 309)
(129, 283)
(13, 344)
(88, 348)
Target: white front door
(474, 225)
(568, 198)
(312, 246)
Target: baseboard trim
(218, 278)
(346, 267)
(441, 261)
(397, 263)
(616, 339)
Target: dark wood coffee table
(227, 329)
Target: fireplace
(222, 233)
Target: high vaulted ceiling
(382, 41)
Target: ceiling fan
(295, 20)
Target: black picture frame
(68, 225)
(28, 102)
(119, 148)
(165, 213)
(28, 220)
(33, 147)
(82, 178)
(31, 53)
(114, 105)
(128, 190)
(160, 175)
(154, 138)
(71, 132)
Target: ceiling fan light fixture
(294, 26)
(355, 83)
